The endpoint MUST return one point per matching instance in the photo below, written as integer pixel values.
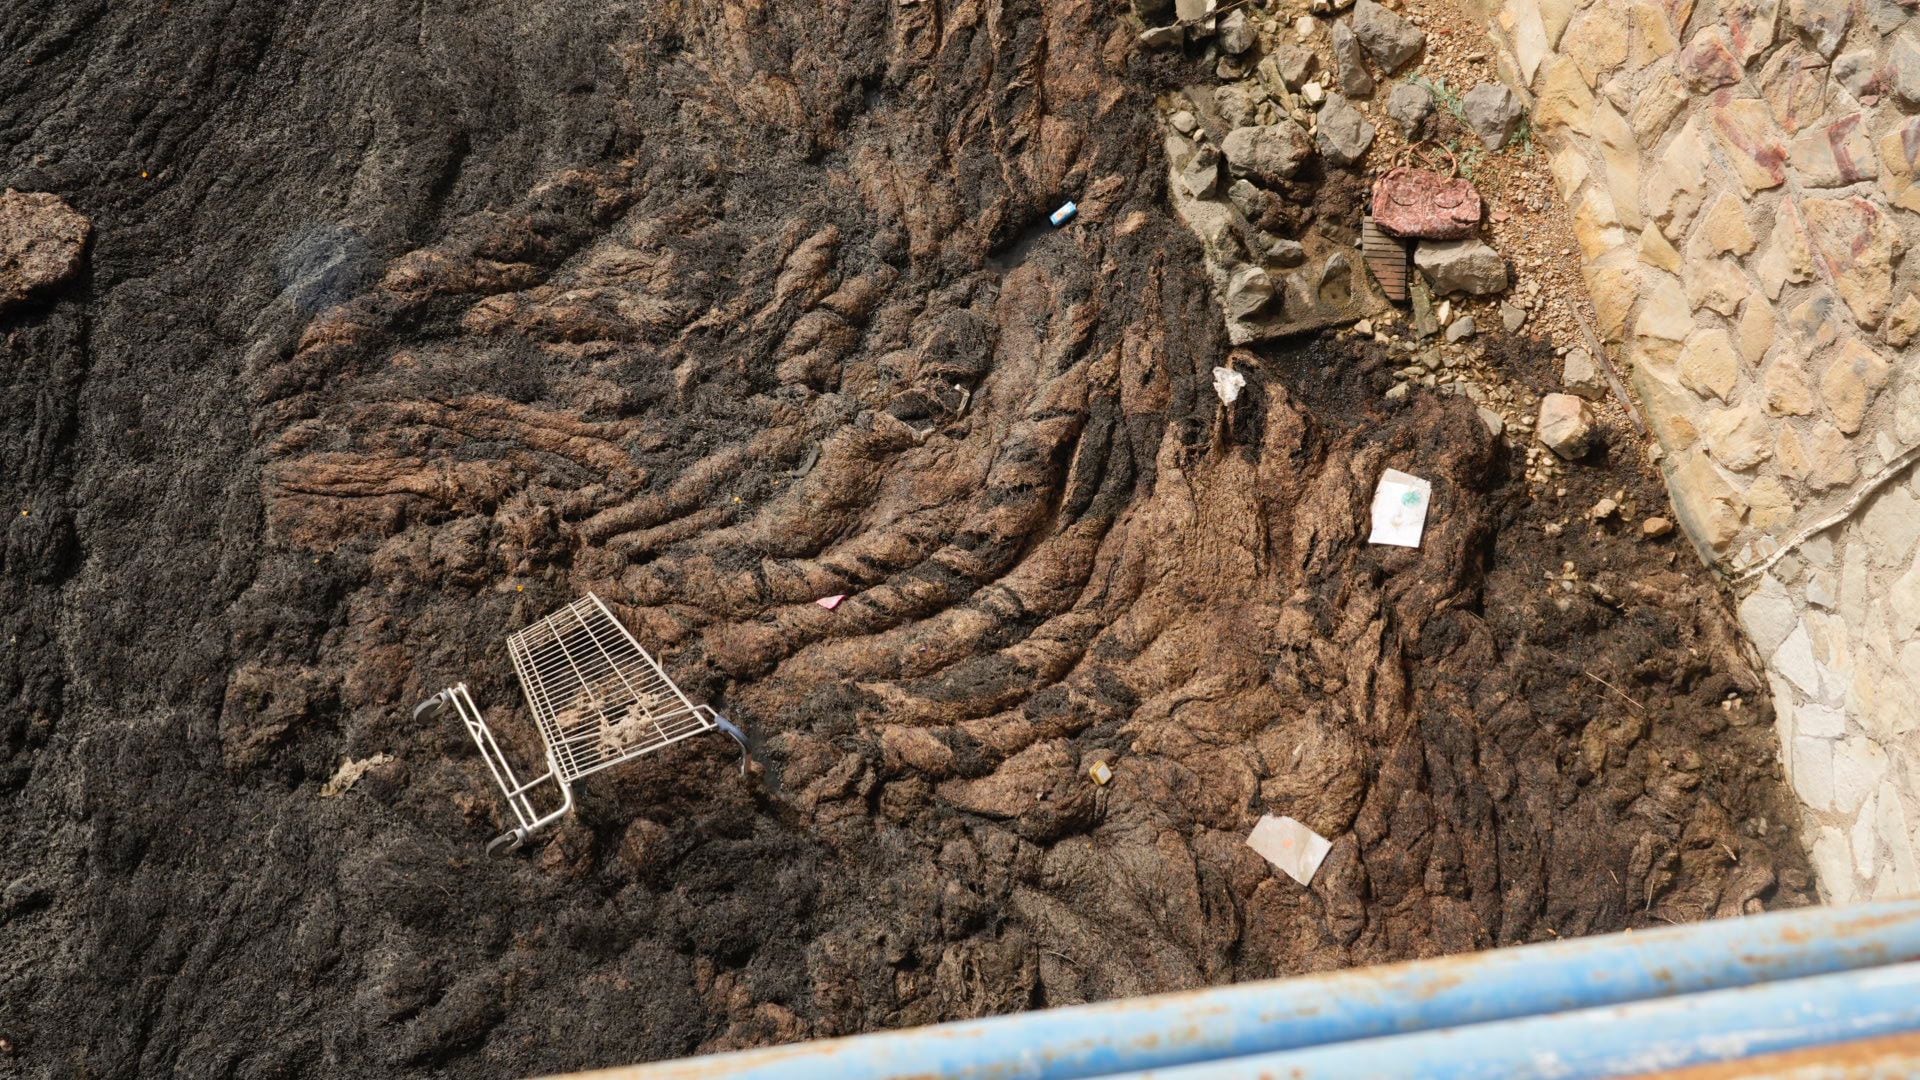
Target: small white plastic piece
(1400, 509)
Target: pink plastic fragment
(1421, 203)
(831, 602)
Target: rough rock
(1461, 266)
(1565, 426)
(42, 242)
(1343, 133)
(1460, 329)
(1822, 22)
(1902, 71)
(1580, 375)
(1857, 244)
(1163, 37)
(1512, 318)
(1388, 38)
(1422, 204)
(1201, 174)
(1409, 105)
(1494, 113)
(1249, 291)
(1291, 64)
(1236, 33)
(1349, 67)
(1270, 152)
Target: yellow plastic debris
(1100, 773)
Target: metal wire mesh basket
(598, 698)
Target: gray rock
(1493, 112)
(1270, 152)
(1236, 33)
(1855, 71)
(1291, 64)
(1343, 134)
(1193, 9)
(1163, 37)
(1201, 174)
(1388, 38)
(1902, 72)
(1349, 67)
(1248, 291)
(1886, 16)
(1184, 122)
(1286, 252)
(1410, 105)
(1823, 23)
(1511, 317)
(1239, 103)
(1582, 376)
(1251, 201)
(1152, 11)
(1461, 266)
(1460, 329)
(1566, 426)
(1496, 424)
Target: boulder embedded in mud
(41, 242)
(1343, 134)
(1249, 291)
(1271, 152)
(1566, 425)
(1349, 67)
(1461, 266)
(1388, 38)
(1494, 112)
(1289, 64)
(1409, 105)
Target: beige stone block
(1669, 408)
(1753, 334)
(1813, 772)
(1664, 313)
(1820, 459)
(1814, 323)
(1623, 183)
(1713, 508)
(1569, 168)
(1832, 858)
(1719, 285)
(1903, 604)
(1554, 16)
(1674, 188)
(1899, 161)
(1596, 42)
(1906, 413)
(1834, 154)
(1787, 388)
(1787, 259)
(1859, 766)
(1794, 84)
(1596, 227)
(1655, 107)
(1865, 841)
(1739, 440)
(1521, 20)
(1903, 322)
(1749, 25)
(1656, 252)
(1565, 99)
(1857, 244)
(1890, 819)
(1614, 286)
(1722, 230)
(1650, 36)
(1890, 525)
(1707, 364)
(1752, 142)
(1769, 503)
(1854, 374)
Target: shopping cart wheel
(432, 705)
(507, 843)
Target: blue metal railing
(1616, 1005)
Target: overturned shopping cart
(599, 699)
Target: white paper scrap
(1291, 846)
(1228, 384)
(1400, 509)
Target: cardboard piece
(1400, 509)
(1297, 850)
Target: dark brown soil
(405, 325)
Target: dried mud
(404, 326)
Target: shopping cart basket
(599, 699)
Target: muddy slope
(406, 323)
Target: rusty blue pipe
(1266, 1018)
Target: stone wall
(1742, 175)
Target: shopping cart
(599, 699)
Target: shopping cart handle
(720, 721)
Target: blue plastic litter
(1064, 214)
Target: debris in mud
(1297, 850)
(1227, 384)
(349, 774)
(831, 602)
(1064, 214)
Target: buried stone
(1494, 113)
(1461, 266)
(1343, 135)
(1271, 152)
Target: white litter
(1228, 383)
(1400, 509)
(1063, 215)
(1295, 849)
